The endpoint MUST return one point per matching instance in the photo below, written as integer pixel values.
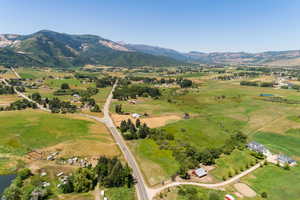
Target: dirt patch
(245, 190)
(152, 122)
(5, 100)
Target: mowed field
(72, 135)
(218, 109)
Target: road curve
(154, 191)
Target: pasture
(121, 193)
(276, 182)
(156, 164)
(72, 135)
(219, 109)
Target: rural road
(141, 186)
(143, 191)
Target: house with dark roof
(285, 160)
(259, 148)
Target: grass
(276, 182)
(214, 119)
(100, 98)
(202, 132)
(121, 193)
(287, 143)
(83, 196)
(200, 193)
(232, 163)
(156, 164)
(24, 130)
(56, 83)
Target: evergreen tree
(123, 126)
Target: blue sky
(184, 25)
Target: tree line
(134, 91)
(54, 104)
(132, 131)
(109, 172)
(254, 83)
(6, 89)
(183, 83)
(19, 105)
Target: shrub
(264, 195)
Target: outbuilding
(200, 172)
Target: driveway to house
(154, 191)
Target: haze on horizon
(205, 26)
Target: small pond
(5, 181)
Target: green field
(202, 132)
(23, 131)
(287, 143)
(56, 83)
(219, 109)
(121, 193)
(191, 193)
(233, 163)
(276, 182)
(156, 164)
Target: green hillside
(52, 49)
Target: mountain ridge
(273, 58)
(53, 49)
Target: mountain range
(53, 49)
(268, 58)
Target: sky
(183, 25)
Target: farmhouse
(259, 148)
(285, 160)
(200, 172)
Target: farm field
(276, 182)
(157, 165)
(219, 109)
(5, 100)
(233, 163)
(24, 131)
(38, 73)
(121, 193)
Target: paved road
(143, 191)
(141, 187)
